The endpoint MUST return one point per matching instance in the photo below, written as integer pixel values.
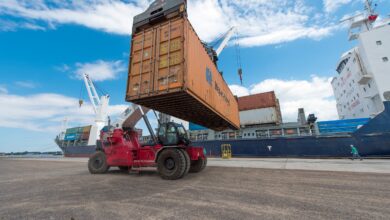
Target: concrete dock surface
(345, 165)
(63, 189)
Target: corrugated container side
(72, 137)
(256, 101)
(259, 116)
(87, 129)
(85, 135)
(77, 130)
(170, 71)
(72, 130)
(206, 82)
(195, 127)
(341, 126)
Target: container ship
(263, 135)
(362, 93)
(361, 89)
(74, 142)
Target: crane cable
(81, 95)
(99, 89)
(238, 55)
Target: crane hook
(81, 102)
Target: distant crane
(224, 39)
(100, 107)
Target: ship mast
(361, 22)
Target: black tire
(188, 161)
(124, 168)
(198, 165)
(97, 163)
(171, 164)
(204, 163)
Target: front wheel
(171, 164)
(97, 163)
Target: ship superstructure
(363, 80)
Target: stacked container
(77, 133)
(262, 108)
(86, 132)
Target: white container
(259, 116)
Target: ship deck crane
(100, 107)
(224, 39)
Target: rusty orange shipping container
(171, 72)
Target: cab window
(161, 131)
(171, 135)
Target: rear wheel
(188, 161)
(198, 165)
(171, 164)
(97, 163)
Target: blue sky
(291, 47)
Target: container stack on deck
(77, 133)
(259, 109)
(170, 70)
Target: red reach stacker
(170, 150)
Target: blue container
(71, 137)
(195, 127)
(341, 126)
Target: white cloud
(259, 22)
(44, 112)
(333, 5)
(109, 16)
(315, 95)
(7, 25)
(62, 68)
(239, 90)
(3, 89)
(26, 84)
(100, 70)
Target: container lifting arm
(158, 11)
(154, 138)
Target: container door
(140, 77)
(169, 68)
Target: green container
(74, 130)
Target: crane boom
(100, 107)
(93, 96)
(225, 41)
